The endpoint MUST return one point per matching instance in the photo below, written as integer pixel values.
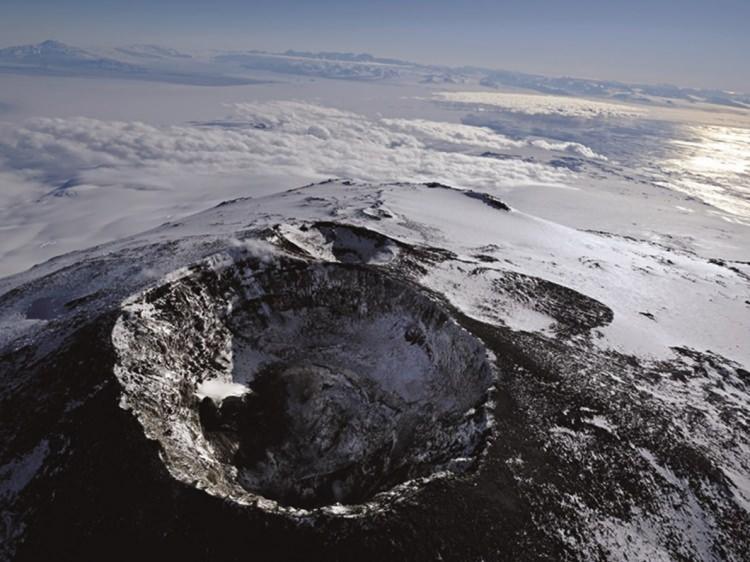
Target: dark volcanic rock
(355, 382)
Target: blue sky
(688, 42)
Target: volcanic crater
(297, 385)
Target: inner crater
(310, 384)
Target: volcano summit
(397, 371)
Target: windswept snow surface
(675, 297)
(631, 277)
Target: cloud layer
(283, 137)
(120, 177)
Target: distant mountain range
(56, 55)
(640, 93)
(137, 62)
(157, 63)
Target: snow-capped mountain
(140, 62)
(350, 364)
(53, 55)
(47, 50)
(323, 66)
(154, 62)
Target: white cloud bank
(123, 177)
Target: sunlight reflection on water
(712, 164)
(709, 163)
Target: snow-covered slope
(619, 413)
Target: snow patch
(217, 389)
